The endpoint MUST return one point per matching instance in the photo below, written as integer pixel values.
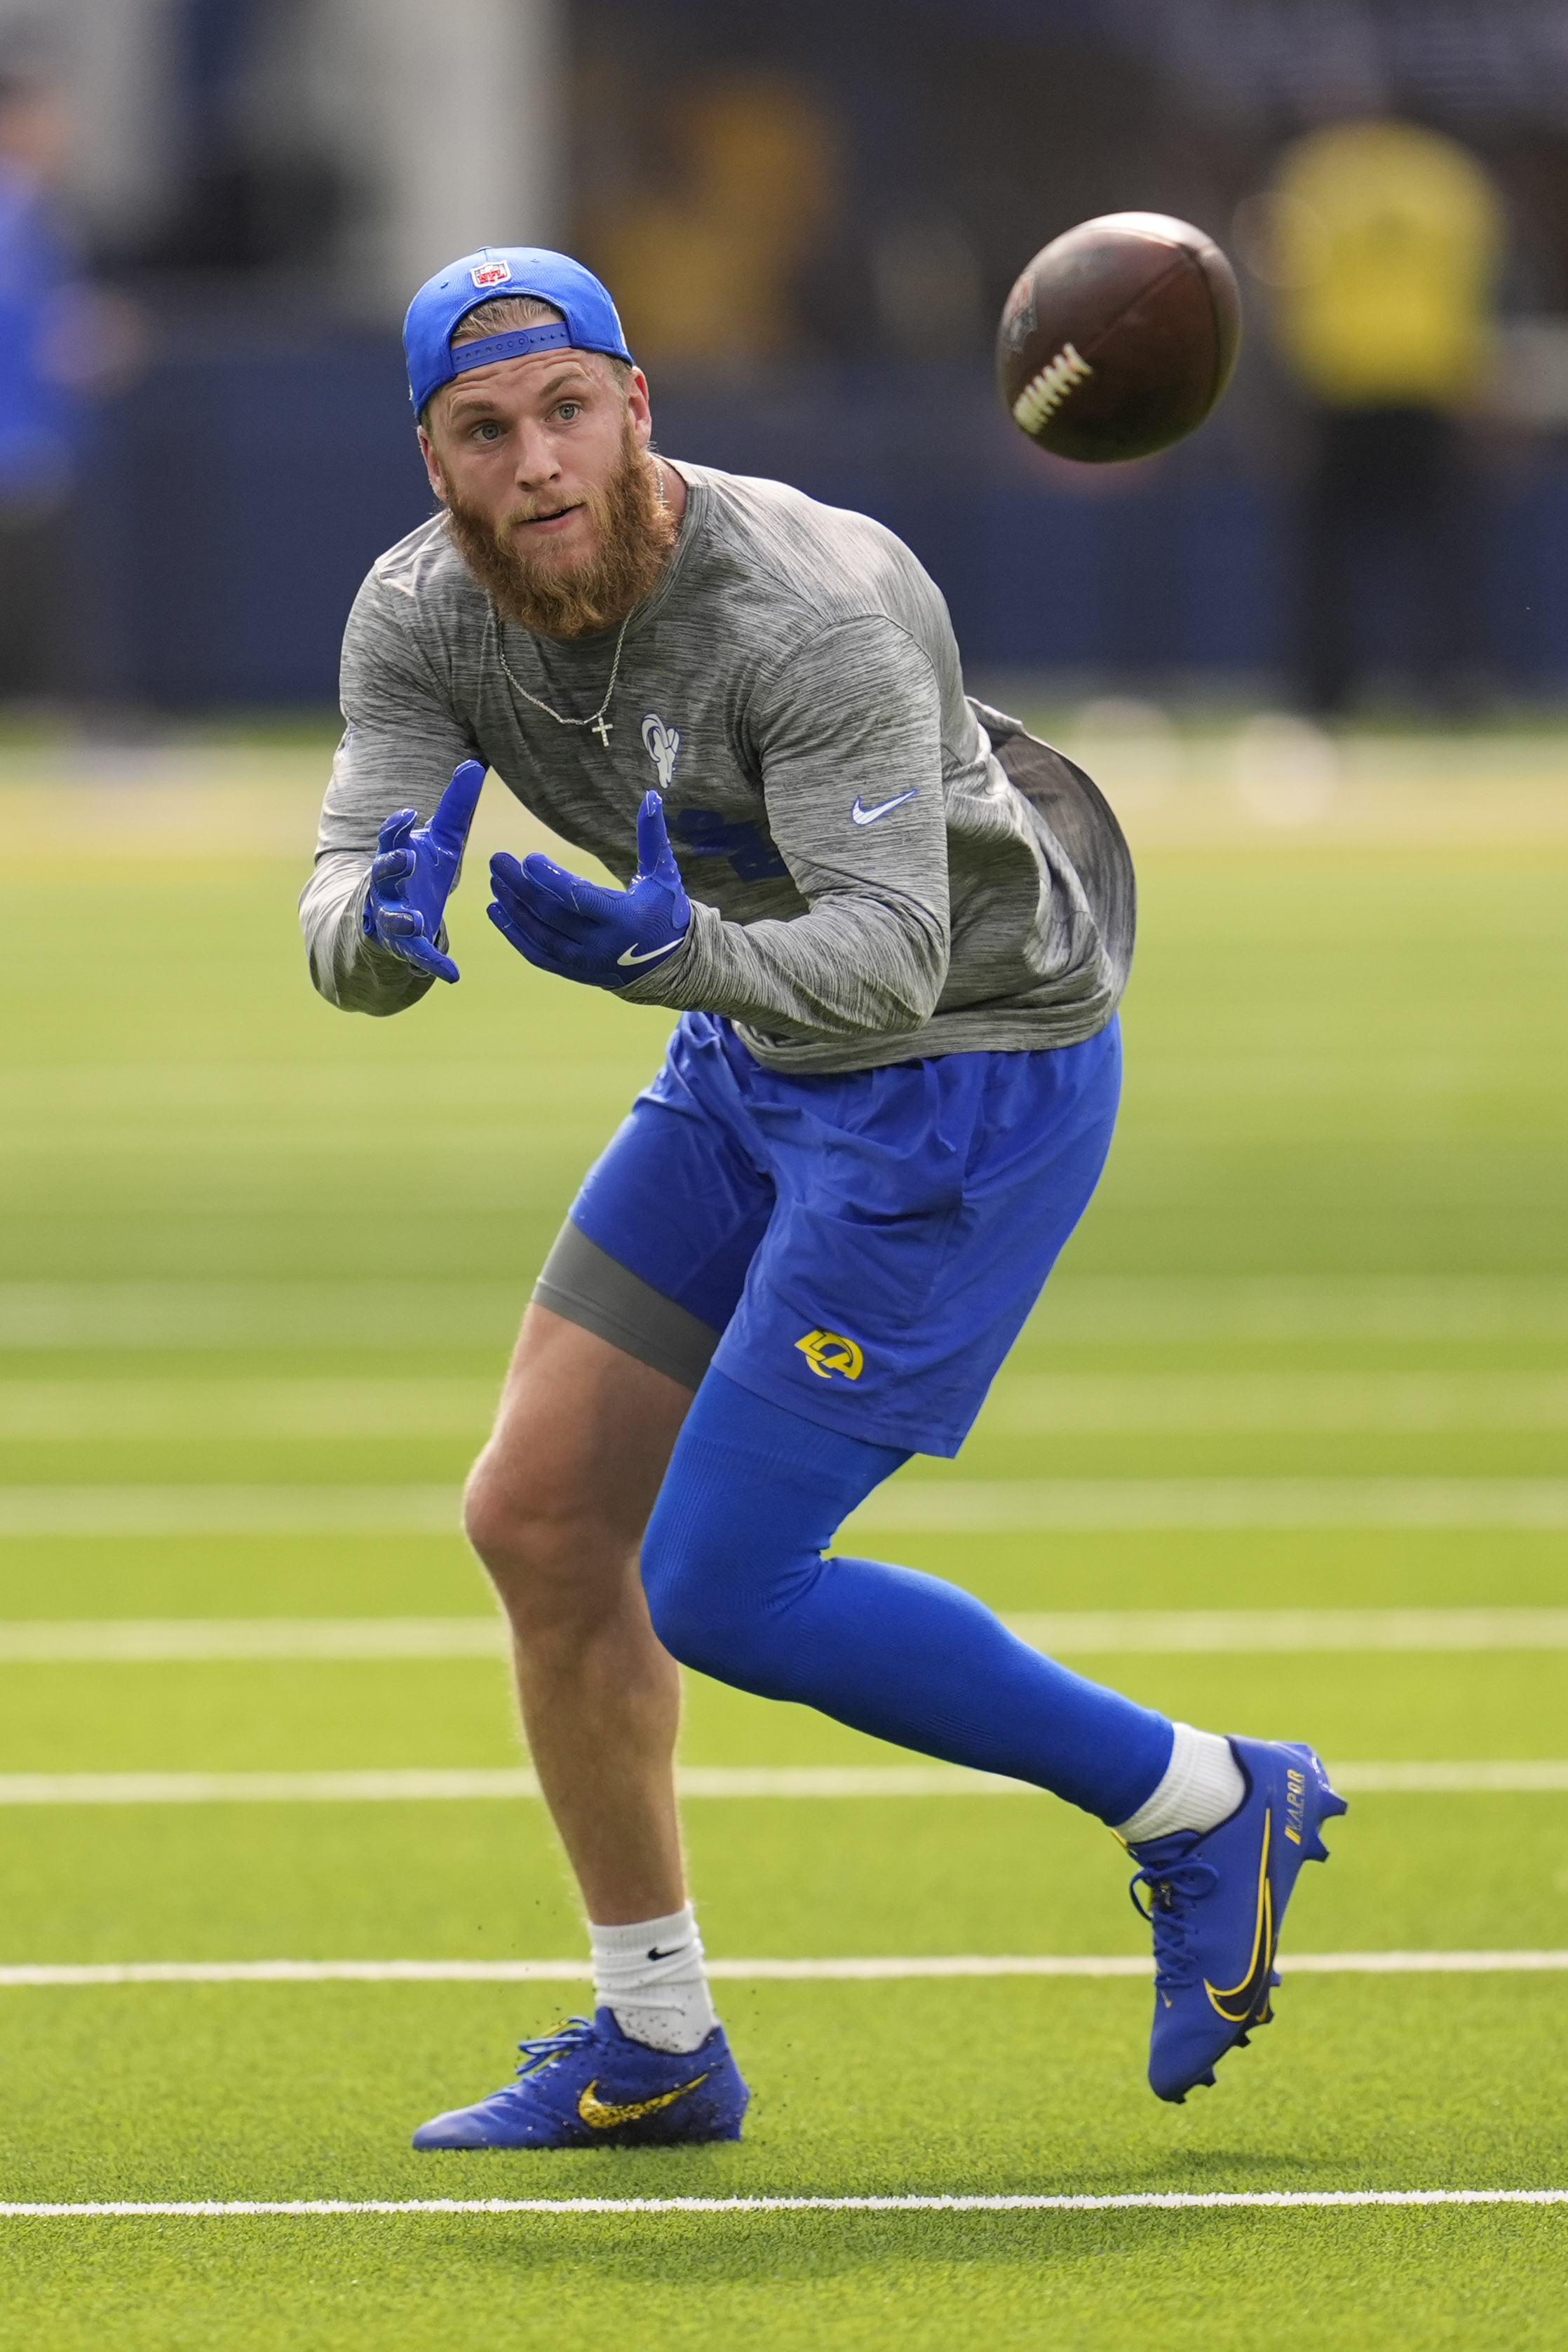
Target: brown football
(1118, 338)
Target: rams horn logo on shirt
(828, 1352)
(492, 273)
(661, 743)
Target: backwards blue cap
(586, 310)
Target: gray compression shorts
(587, 1286)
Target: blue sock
(739, 1589)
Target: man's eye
(488, 430)
(568, 409)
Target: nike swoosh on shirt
(863, 815)
(649, 955)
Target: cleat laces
(547, 2047)
(1174, 1888)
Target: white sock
(650, 1976)
(1203, 1785)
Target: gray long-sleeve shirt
(868, 885)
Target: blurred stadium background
(811, 217)
(1306, 1355)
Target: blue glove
(582, 931)
(412, 879)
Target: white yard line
(1530, 1775)
(382, 1407)
(125, 1511)
(210, 1641)
(1066, 1403)
(1022, 1506)
(916, 1505)
(1192, 1402)
(206, 1641)
(857, 1970)
(1104, 1632)
(1152, 2201)
(1097, 1309)
(49, 1317)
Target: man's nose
(536, 460)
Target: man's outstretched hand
(411, 880)
(583, 931)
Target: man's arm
(849, 733)
(401, 745)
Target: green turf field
(1310, 1353)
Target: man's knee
(545, 1552)
(502, 1518)
(662, 1584)
(704, 1597)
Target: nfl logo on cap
(587, 321)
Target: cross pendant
(601, 731)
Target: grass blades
(252, 1247)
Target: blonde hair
(505, 314)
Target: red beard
(635, 534)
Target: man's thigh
(582, 1439)
(656, 1251)
(625, 1317)
(921, 1209)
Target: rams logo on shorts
(828, 1352)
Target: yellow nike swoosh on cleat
(600, 2117)
(1224, 2000)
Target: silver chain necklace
(602, 727)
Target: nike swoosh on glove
(412, 877)
(579, 929)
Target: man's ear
(432, 464)
(638, 408)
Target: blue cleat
(589, 2086)
(1216, 1903)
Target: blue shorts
(867, 1245)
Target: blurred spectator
(38, 423)
(708, 268)
(1382, 246)
(252, 190)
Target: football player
(896, 929)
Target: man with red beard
(895, 929)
